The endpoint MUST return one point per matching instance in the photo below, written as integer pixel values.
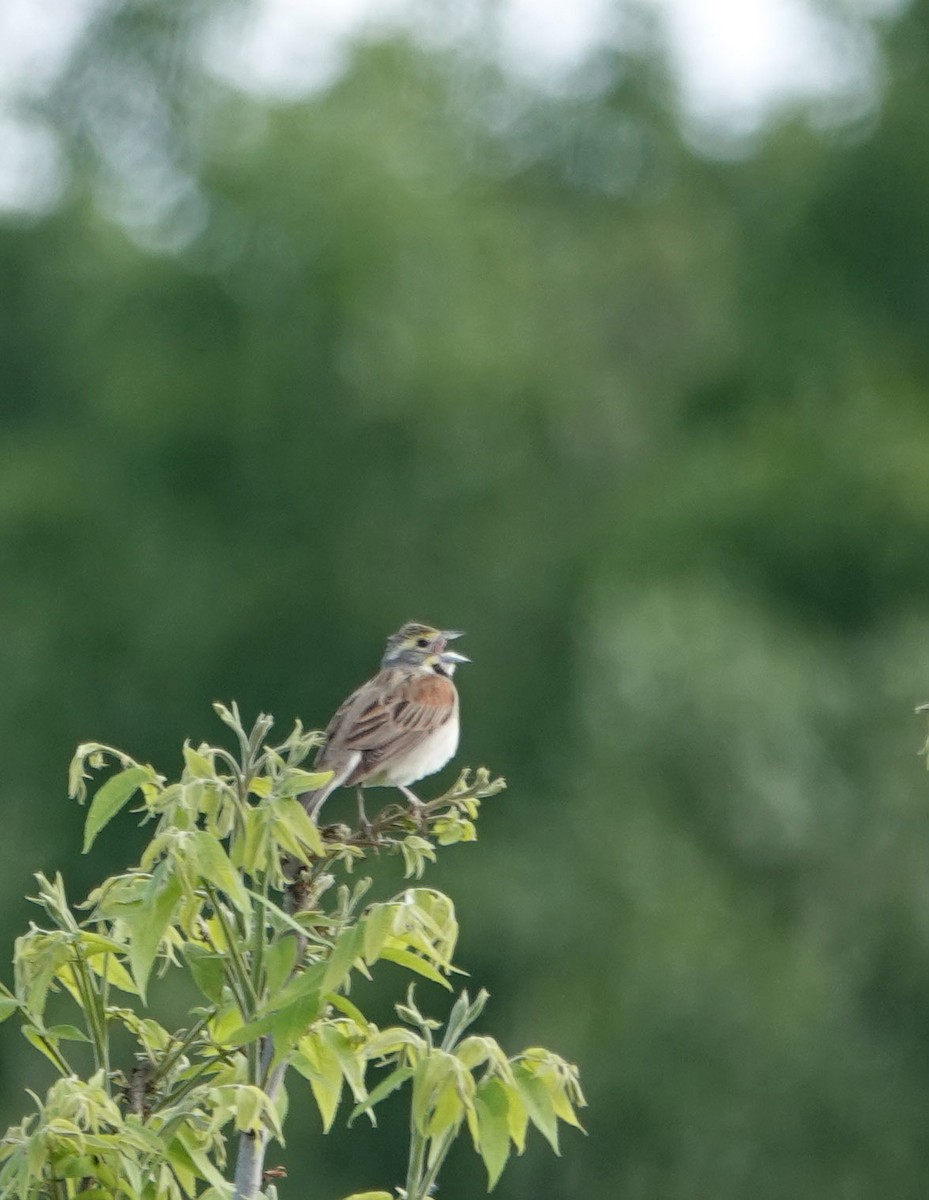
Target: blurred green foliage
(652, 427)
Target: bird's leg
(363, 822)
(419, 809)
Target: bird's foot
(417, 810)
(364, 825)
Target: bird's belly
(425, 759)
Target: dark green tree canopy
(651, 425)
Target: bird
(400, 726)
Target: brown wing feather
(389, 715)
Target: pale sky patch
(736, 61)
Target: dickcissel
(400, 726)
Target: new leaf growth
(240, 889)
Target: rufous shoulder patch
(434, 690)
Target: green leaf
(349, 1049)
(67, 1033)
(339, 965)
(38, 959)
(279, 961)
(295, 782)
(475, 1051)
(564, 1109)
(8, 1006)
(200, 1158)
(95, 943)
(290, 1023)
(539, 1104)
(109, 967)
(32, 1035)
(343, 1004)
(493, 1145)
(295, 818)
(316, 1060)
(215, 868)
(393, 1081)
(76, 1166)
(226, 1023)
(423, 1078)
(308, 982)
(448, 1109)
(184, 1170)
(207, 971)
(287, 1015)
(249, 1102)
(413, 962)
(447, 833)
(250, 852)
(198, 764)
(378, 925)
(147, 923)
(416, 852)
(108, 801)
(517, 1117)
(387, 1042)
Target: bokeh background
(599, 331)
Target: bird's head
(417, 645)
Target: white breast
(429, 756)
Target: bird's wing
(388, 716)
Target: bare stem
(416, 1164)
(249, 1167)
(429, 1178)
(250, 1162)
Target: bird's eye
(422, 642)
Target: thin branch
(234, 959)
(395, 818)
(416, 1163)
(181, 1045)
(95, 1019)
(432, 1174)
(171, 1098)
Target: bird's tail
(313, 801)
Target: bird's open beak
(451, 656)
